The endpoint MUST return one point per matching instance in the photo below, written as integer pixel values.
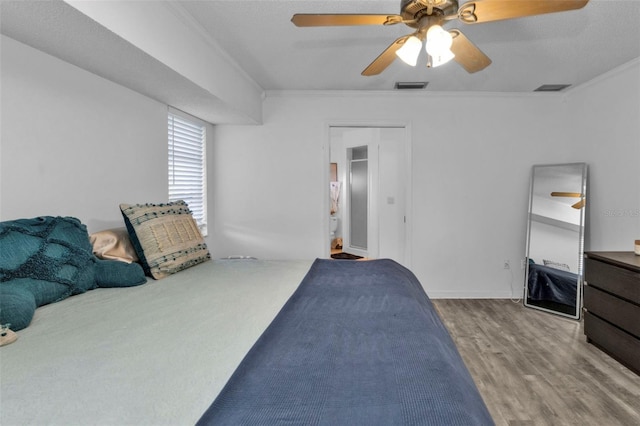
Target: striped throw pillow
(165, 236)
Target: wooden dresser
(612, 305)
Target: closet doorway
(373, 174)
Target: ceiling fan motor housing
(415, 10)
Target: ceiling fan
(427, 18)
(580, 204)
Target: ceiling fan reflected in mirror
(580, 204)
(427, 18)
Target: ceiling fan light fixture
(410, 50)
(438, 40)
(438, 46)
(440, 59)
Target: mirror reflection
(555, 238)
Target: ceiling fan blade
(579, 204)
(467, 54)
(385, 58)
(566, 194)
(329, 20)
(494, 10)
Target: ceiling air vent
(406, 85)
(551, 87)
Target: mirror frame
(581, 234)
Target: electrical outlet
(507, 265)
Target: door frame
(408, 179)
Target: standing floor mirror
(555, 239)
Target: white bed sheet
(157, 354)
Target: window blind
(187, 166)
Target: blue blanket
(358, 343)
(550, 284)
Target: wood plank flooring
(535, 368)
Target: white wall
(472, 156)
(605, 120)
(74, 144)
(549, 242)
(266, 187)
(471, 163)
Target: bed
(160, 353)
(358, 343)
(214, 342)
(548, 284)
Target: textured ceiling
(562, 48)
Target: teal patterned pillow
(165, 236)
(42, 260)
(49, 249)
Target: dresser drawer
(620, 345)
(619, 312)
(621, 282)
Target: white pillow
(556, 265)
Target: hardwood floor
(535, 368)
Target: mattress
(156, 354)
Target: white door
(392, 194)
(386, 185)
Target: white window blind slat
(187, 166)
(181, 157)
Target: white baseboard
(472, 295)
